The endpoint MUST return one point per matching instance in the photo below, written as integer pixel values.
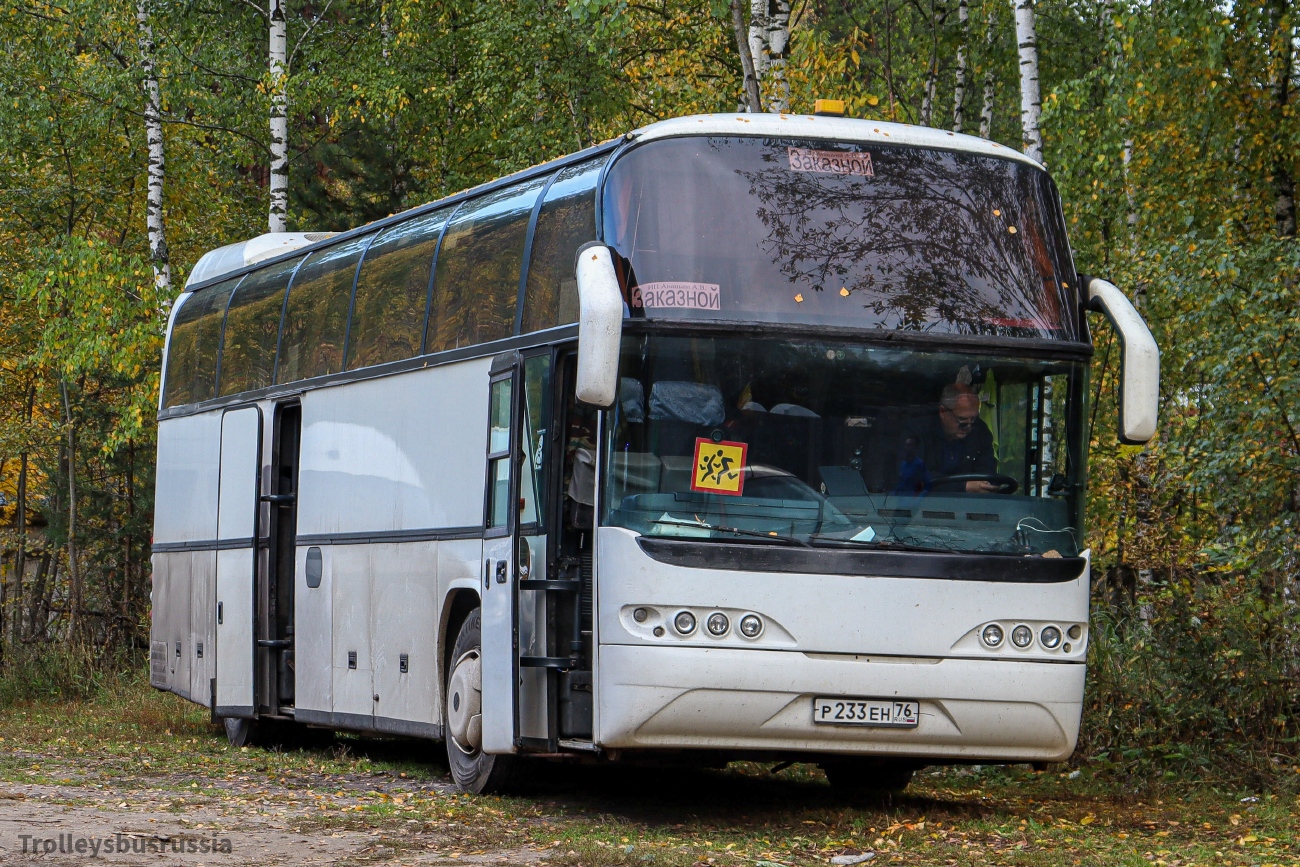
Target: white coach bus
(738, 436)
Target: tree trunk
(1031, 103)
(278, 59)
(1281, 62)
(986, 110)
(769, 40)
(932, 72)
(38, 608)
(162, 269)
(20, 558)
(752, 95)
(959, 85)
(74, 574)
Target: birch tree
(986, 108)
(157, 168)
(753, 96)
(1031, 103)
(959, 85)
(278, 51)
(769, 40)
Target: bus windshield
(898, 238)
(818, 442)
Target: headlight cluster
(717, 624)
(1021, 636)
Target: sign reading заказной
(691, 296)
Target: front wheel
(472, 769)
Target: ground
(145, 778)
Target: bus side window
(476, 277)
(316, 316)
(537, 375)
(566, 222)
(192, 352)
(252, 329)
(392, 292)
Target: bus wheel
(868, 776)
(239, 731)
(472, 769)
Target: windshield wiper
(736, 531)
(823, 541)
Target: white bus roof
(826, 127)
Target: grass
(131, 745)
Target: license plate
(866, 712)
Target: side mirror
(1139, 394)
(600, 325)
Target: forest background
(134, 137)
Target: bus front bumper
(714, 698)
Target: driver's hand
(981, 488)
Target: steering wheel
(1006, 484)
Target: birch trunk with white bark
(1031, 103)
(157, 169)
(753, 97)
(932, 71)
(986, 110)
(959, 85)
(278, 48)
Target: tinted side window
(392, 292)
(316, 320)
(253, 329)
(192, 352)
(567, 221)
(477, 274)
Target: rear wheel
(472, 769)
(868, 776)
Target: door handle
(220, 618)
(501, 571)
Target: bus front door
(518, 675)
(237, 509)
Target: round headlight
(1050, 636)
(1022, 636)
(718, 623)
(640, 615)
(684, 622)
(1075, 631)
(751, 625)
(992, 635)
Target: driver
(956, 442)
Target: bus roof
(229, 260)
(806, 126)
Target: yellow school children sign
(719, 467)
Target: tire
(471, 769)
(868, 777)
(239, 732)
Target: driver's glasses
(965, 422)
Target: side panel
(404, 624)
(399, 453)
(353, 683)
(203, 622)
(237, 508)
(185, 495)
(185, 491)
(499, 646)
(170, 645)
(313, 633)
